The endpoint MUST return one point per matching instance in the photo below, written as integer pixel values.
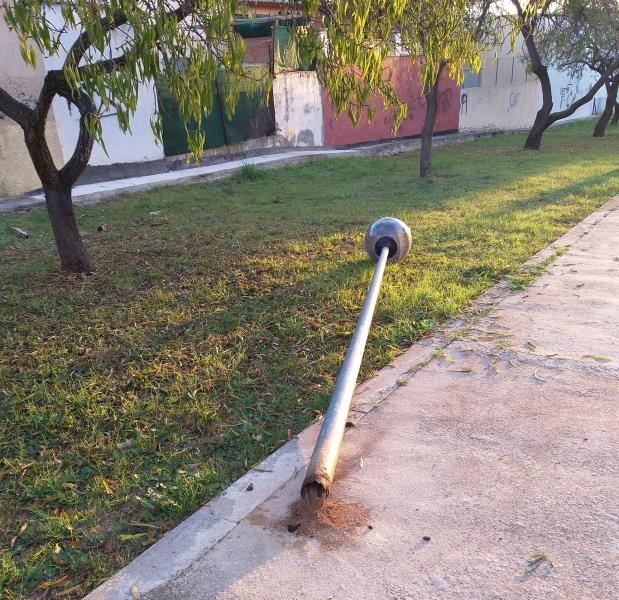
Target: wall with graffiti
(338, 130)
(566, 89)
(501, 96)
(500, 107)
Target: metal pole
(321, 468)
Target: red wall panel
(405, 79)
(258, 50)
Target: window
(471, 80)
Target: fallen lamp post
(387, 240)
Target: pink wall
(340, 131)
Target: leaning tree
(534, 19)
(109, 50)
(584, 35)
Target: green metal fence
(253, 117)
(286, 53)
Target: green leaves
(359, 35)
(581, 34)
(110, 49)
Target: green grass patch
(215, 324)
(252, 172)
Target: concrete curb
(200, 532)
(92, 193)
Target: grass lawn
(215, 323)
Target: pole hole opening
(389, 243)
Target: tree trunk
(425, 159)
(71, 249)
(607, 113)
(545, 117)
(616, 115)
(57, 184)
(534, 139)
(541, 123)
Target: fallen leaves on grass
(537, 376)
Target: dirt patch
(335, 523)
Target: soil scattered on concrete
(335, 523)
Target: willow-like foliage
(108, 49)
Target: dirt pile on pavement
(335, 523)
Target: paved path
(487, 469)
(94, 192)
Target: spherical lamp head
(391, 233)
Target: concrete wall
(298, 108)
(511, 106)
(137, 146)
(566, 89)
(338, 130)
(17, 175)
(505, 96)
(502, 95)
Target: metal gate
(253, 117)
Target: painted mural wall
(338, 130)
(17, 175)
(298, 108)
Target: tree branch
(83, 42)
(14, 109)
(557, 116)
(83, 146)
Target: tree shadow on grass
(227, 378)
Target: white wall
(138, 145)
(504, 96)
(500, 107)
(566, 89)
(298, 108)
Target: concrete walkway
(483, 464)
(94, 192)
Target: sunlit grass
(214, 327)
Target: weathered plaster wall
(338, 130)
(137, 146)
(502, 95)
(566, 89)
(17, 175)
(510, 106)
(298, 108)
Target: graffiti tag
(464, 104)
